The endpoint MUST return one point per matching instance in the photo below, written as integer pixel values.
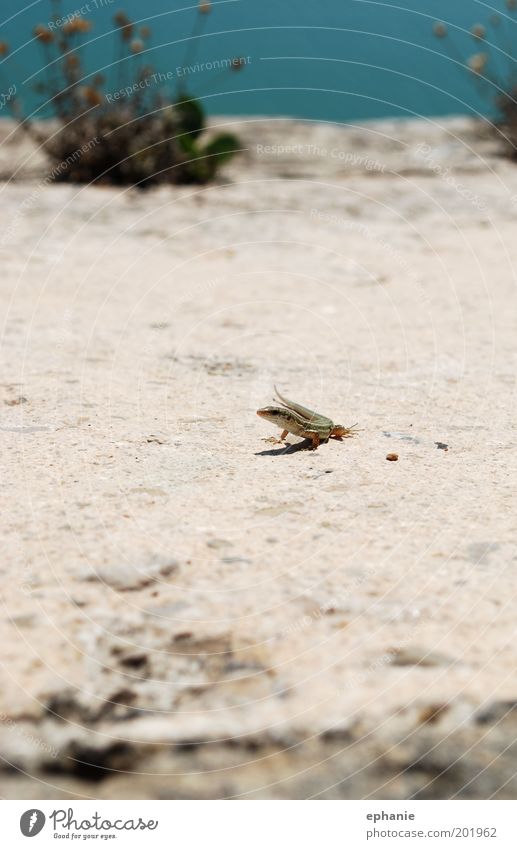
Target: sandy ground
(188, 611)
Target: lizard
(293, 418)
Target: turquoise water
(336, 60)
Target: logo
(31, 822)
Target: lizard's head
(273, 414)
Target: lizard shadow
(284, 450)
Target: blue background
(339, 60)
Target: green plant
(132, 131)
(492, 66)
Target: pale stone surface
(214, 616)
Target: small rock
(419, 656)
(497, 712)
(480, 552)
(134, 661)
(23, 620)
(235, 560)
(128, 576)
(432, 713)
(392, 457)
(218, 543)
(402, 436)
(183, 636)
(13, 402)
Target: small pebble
(392, 457)
(13, 402)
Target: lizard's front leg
(274, 441)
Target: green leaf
(188, 144)
(191, 116)
(222, 147)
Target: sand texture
(191, 612)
